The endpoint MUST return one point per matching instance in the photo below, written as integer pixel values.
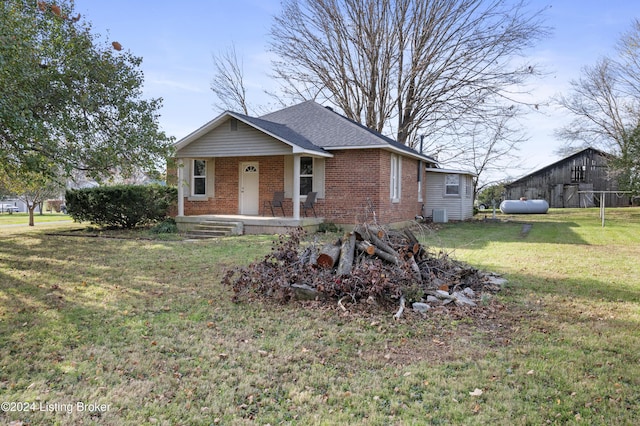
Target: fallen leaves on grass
(476, 392)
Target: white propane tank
(524, 206)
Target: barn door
(571, 196)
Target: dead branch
(400, 310)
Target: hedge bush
(121, 206)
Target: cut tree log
(383, 246)
(362, 234)
(371, 250)
(328, 256)
(416, 247)
(366, 247)
(346, 254)
(377, 230)
(411, 237)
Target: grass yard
(23, 218)
(120, 331)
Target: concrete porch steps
(213, 228)
(245, 224)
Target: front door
(249, 183)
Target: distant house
(234, 164)
(449, 194)
(571, 182)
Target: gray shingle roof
(312, 128)
(330, 130)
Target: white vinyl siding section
(224, 142)
(458, 207)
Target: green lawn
(23, 218)
(145, 329)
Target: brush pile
(370, 264)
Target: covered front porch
(249, 224)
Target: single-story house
(449, 194)
(234, 164)
(574, 181)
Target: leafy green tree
(32, 187)
(69, 101)
(491, 193)
(605, 105)
(627, 164)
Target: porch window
(452, 185)
(199, 183)
(306, 175)
(395, 177)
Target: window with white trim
(306, 175)
(452, 185)
(420, 180)
(395, 177)
(199, 179)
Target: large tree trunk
(31, 209)
(346, 254)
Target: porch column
(296, 186)
(180, 165)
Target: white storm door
(249, 183)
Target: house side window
(420, 180)
(452, 185)
(306, 175)
(395, 178)
(199, 179)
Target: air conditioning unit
(439, 216)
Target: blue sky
(176, 40)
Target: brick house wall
(356, 183)
(226, 181)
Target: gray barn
(561, 182)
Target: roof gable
(297, 143)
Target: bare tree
(605, 103)
(489, 148)
(228, 82)
(605, 100)
(407, 66)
